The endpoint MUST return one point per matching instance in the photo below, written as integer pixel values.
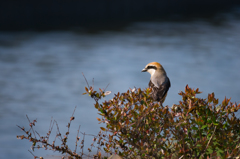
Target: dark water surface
(41, 72)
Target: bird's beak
(144, 70)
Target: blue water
(41, 73)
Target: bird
(159, 81)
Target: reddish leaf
(102, 128)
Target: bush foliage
(195, 128)
(138, 127)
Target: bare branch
(85, 80)
(77, 139)
(32, 154)
(106, 87)
(31, 126)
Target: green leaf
(186, 139)
(224, 126)
(209, 121)
(215, 124)
(215, 143)
(204, 126)
(210, 150)
(219, 152)
(200, 123)
(194, 128)
(199, 145)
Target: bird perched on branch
(159, 81)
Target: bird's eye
(152, 67)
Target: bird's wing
(159, 93)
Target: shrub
(138, 127)
(195, 128)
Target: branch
(85, 80)
(208, 142)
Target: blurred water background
(41, 72)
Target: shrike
(159, 81)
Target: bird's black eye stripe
(153, 67)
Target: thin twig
(98, 143)
(77, 139)
(31, 126)
(93, 83)
(50, 129)
(59, 134)
(106, 87)
(50, 124)
(88, 134)
(70, 122)
(74, 111)
(85, 80)
(22, 128)
(83, 143)
(45, 143)
(209, 141)
(38, 134)
(32, 154)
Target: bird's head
(154, 67)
